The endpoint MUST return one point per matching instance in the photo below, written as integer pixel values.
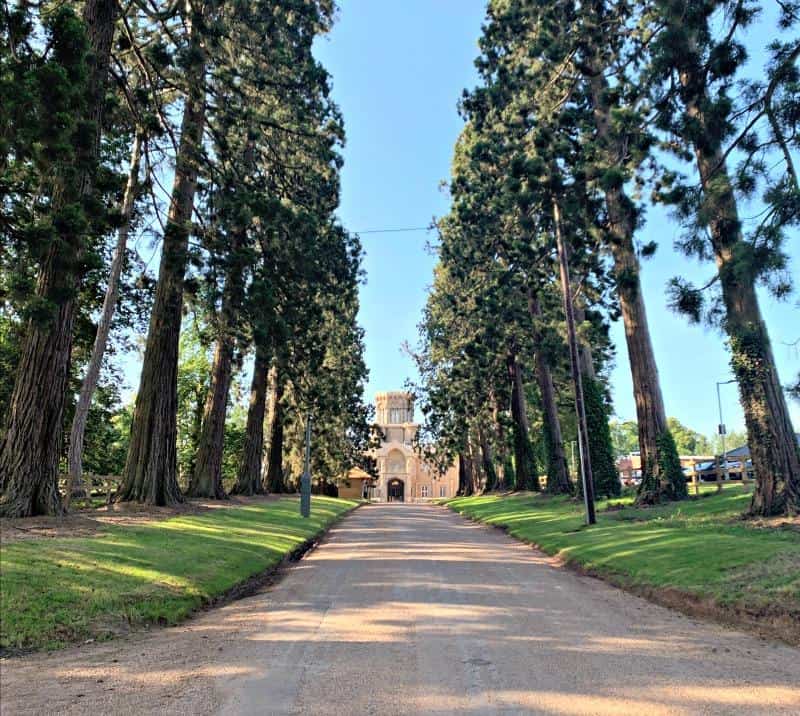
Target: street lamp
(722, 430)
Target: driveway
(410, 609)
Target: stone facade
(403, 475)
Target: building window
(424, 490)
(442, 491)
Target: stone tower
(394, 408)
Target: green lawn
(699, 546)
(55, 591)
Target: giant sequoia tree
(275, 98)
(502, 235)
(695, 59)
(56, 216)
(151, 469)
(228, 100)
(576, 103)
(561, 65)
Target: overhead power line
(395, 231)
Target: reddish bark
(31, 445)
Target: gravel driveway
(410, 609)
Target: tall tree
(69, 104)
(526, 475)
(695, 59)
(75, 455)
(621, 146)
(558, 481)
(273, 456)
(150, 473)
(248, 479)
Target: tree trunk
(274, 457)
(207, 475)
(476, 470)
(558, 481)
(464, 476)
(524, 461)
(75, 487)
(770, 435)
(248, 480)
(206, 478)
(502, 457)
(574, 359)
(150, 470)
(200, 393)
(31, 445)
(488, 461)
(651, 417)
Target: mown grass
(700, 546)
(56, 591)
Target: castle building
(403, 476)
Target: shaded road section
(410, 609)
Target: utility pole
(722, 432)
(572, 341)
(305, 480)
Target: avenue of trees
(172, 169)
(584, 112)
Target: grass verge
(698, 556)
(57, 591)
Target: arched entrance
(395, 490)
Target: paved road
(410, 609)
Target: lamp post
(305, 480)
(722, 430)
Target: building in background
(702, 468)
(403, 476)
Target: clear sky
(398, 71)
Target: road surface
(410, 609)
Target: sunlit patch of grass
(699, 545)
(53, 591)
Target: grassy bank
(697, 555)
(56, 591)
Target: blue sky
(398, 71)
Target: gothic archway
(395, 490)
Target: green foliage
(10, 338)
(46, 154)
(262, 258)
(673, 481)
(235, 429)
(624, 436)
(604, 470)
(688, 441)
(194, 378)
(107, 433)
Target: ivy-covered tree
(695, 60)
